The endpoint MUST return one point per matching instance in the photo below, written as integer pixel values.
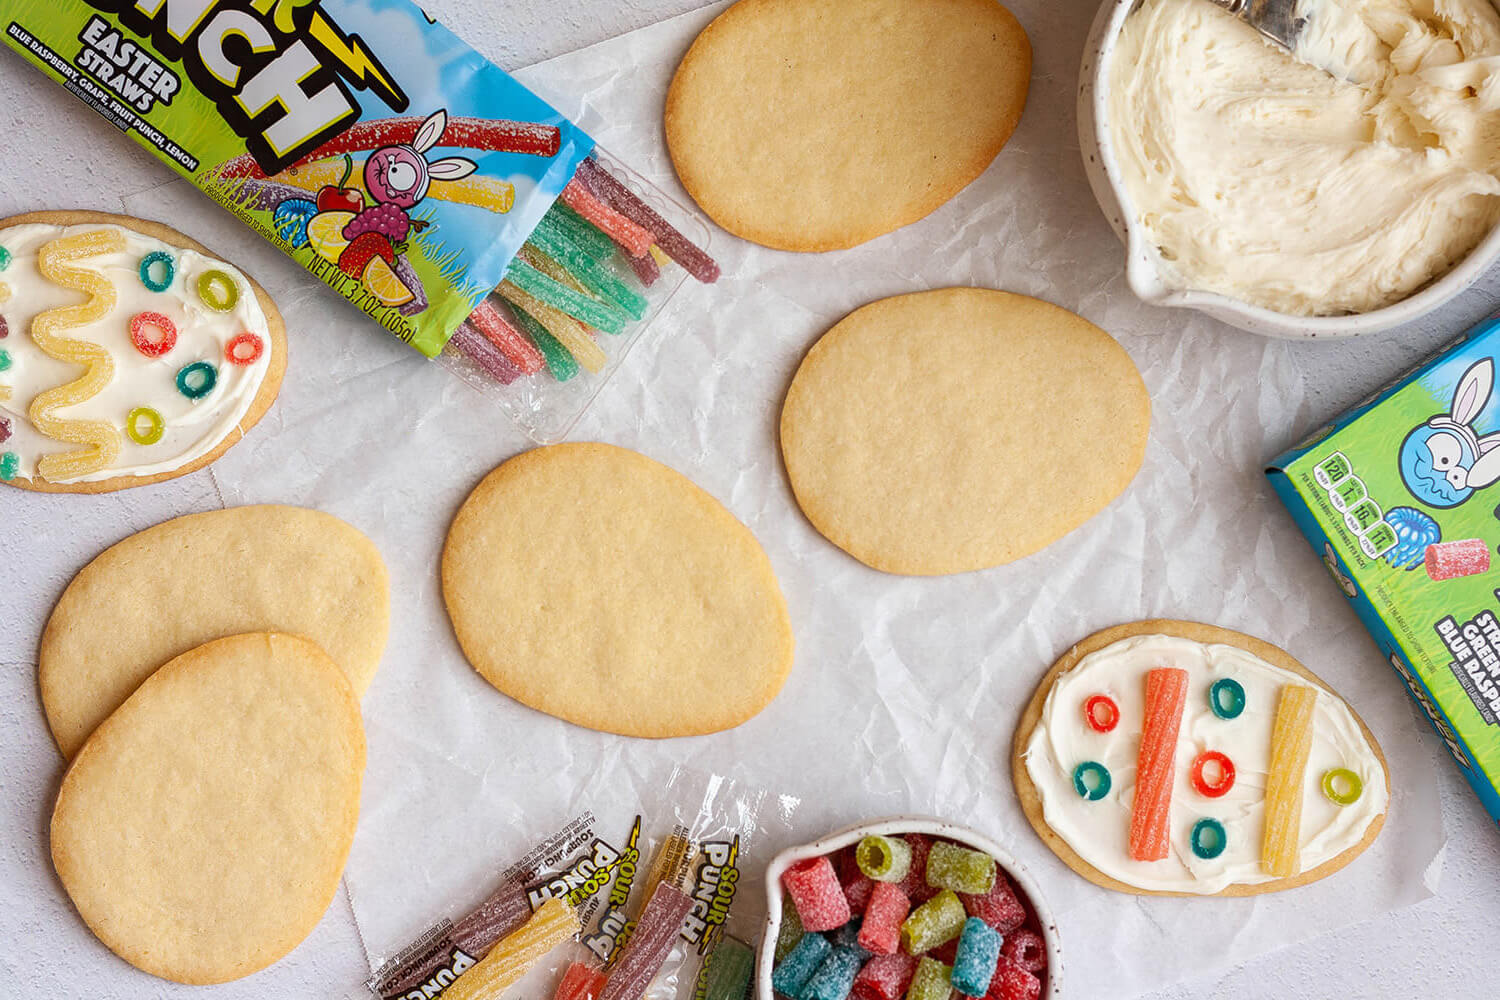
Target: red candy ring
(152, 348)
(234, 354)
(1226, 774)
(1091, 713)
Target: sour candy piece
(730, 969)
(880, 933)
(579, 232)
(1166, 693)
(847, 936)
(815, 890)
(5, 361)
(244, 349)
(1208, 839)
(559, 362)
(1342, 786)
(1291, 740)
(950, 866)
(885, 859)
(1414, 531)
(646, 269)
(152, 333)
(143, 425)
(935, 922)
(1026, 948)
(157, 271)
(581, 982)
(915, 884)
(656, 930)
(974, 965)
(1000, 907)
(633, 239)
(835, 977)
(519, 351)
(1450, 560)
(1101, 713)
(569, 332)
(677, 246)
(1091, 780)
(931, 981)
(10, 464)
(792, 974)
(1011, 982)
(857, 885)
(790, 931)
(5, 429)
(218, 291)
(1226, 698)
(592, 274)
(4, 258)
(469, 343)
(1221, 784)
(513, 955)
(554, 293)
(197, 379)
(885, 977)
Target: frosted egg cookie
(164, 590)
(129, 354)
(596, 585)
(202, 829)
(821, 124)
(960, 429)
(1172, 758)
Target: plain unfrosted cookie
(202, 829)
(177, 585)
(959, 429)
(819, 124)
(599, 586)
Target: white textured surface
(910, 640)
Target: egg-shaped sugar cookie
(959, 429)
(820, 124)
(203, 828)
(1181, 759)
(596, 585)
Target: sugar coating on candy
(1026, 948)
(592, 275)
(885, 859)
(790, 931)
(513, 956)
(142, 326)
(1291, 742)
(887, 909)
(816, 891)
(799, 965)
(10, 464)
(677, 246)
(656, 931)
(244, 349)
(559, 296)
(915, 884)
(834, 978)
(1451, 560)
(5, 429)
(474, 346)
(1001, 908)
(559, 362)
(1414, 531)
(1166, 694)
(580, 982)
(885, 977)
(935, 922)
(730, 969)
(1012, 982)
(974, 963)
(951, 866)
(157, 261)
(569, 332)
(857, 885)
(519, 351)
(580, 231)
(634, 239)
(847, 936)
(930, 982)
(646, 269)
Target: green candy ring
(1235, 695)
(153, 262)
(1093, 790)
(1208, 839)
(218, 291)
(1353, 786)
(197, 379)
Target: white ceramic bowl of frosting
(1143, 270)
(895, 826)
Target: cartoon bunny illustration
(399, 175)
(1445, 460)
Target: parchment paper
(905, 691)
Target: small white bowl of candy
(905, 909)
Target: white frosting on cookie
(193, 428)
(1099, 831)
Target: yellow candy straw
(572, 334)
(481, 192)
(513, 955)
(1291, 740)
(56, 262)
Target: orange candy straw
(1166, 693)
(1291, 740)
(633, 238)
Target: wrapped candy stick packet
(398, 166)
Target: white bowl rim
(1256, 319)
(766, 959)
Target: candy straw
(729, 970)
(568, 331)
(1291, 740)
(578, 231)
(595, 276)
(473, 345)
(553, 923)
(885, 859)
(931, 981)
(634, 239)
(1166, 693)
(559, 296)
(835, 976)
(580, 982)
(1000, 908)
(885, 977)
(974, 964)
(950, 866)
(645, 268)
(816, 891)
(790, 931)
(656, 931)
(934, 923)
(620, 198)
(793, 972)
(519, 351)
(880, 932)
(559, 362)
